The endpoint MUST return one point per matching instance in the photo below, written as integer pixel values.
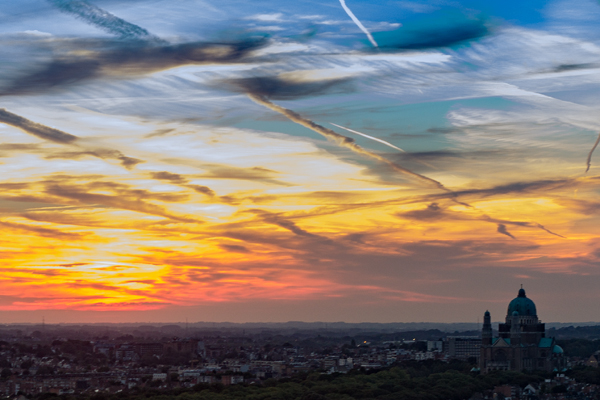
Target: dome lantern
(522, 306)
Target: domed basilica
(521, 343)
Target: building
(126, 352)
(188, 346)
(464, 347)
(435, 345)
(521, 343)
(593, 360)
(149, 349)
(162, 376)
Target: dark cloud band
(77, 61)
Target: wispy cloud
(589, 157)
(273, 17)
(435, 213)
(120, 201)
(235, 248)
(182, 181)
(502, 229)
(42, 231)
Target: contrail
(102, 19)
(382, 141)
(341, 140)
(357, 22)
(589, 158)
(33, 128)
(549, 231)
(370, 137)
(57, 136)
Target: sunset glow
(207, 174)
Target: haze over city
(267, 161)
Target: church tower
(486, 331)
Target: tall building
(464, 347)
(521, 343)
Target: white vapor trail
(357, 22)
(370, 137)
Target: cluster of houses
(65, 366)
(560, 387)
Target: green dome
(521, 305)
(557, 349)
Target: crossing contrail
(344, 141)
(382, 141)
(357, 22)
(370, 137)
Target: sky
(270, 161)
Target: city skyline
(317, 161)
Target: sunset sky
(380, 161)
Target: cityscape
(129, 359)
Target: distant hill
(575, 332)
